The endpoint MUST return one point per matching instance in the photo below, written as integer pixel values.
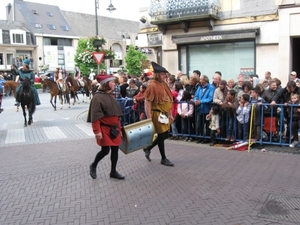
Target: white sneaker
(294, 144)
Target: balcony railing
(169, 9)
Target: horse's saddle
(80, 83)
(62, 87)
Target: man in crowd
(294, 76)
(179, 74)
(203, 99)
(197, 73)
(239, 85)
(216, 79)
(123, 85)
(268, 76)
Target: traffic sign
(98, 57)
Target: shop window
(229, 58)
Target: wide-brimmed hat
(158, 69)
(102, 79)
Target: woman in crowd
(184, 80)
(230, 84)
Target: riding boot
(17, 103)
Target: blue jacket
(1, 84)
(205, 96)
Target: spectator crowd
(205, 111)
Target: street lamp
(110, 8)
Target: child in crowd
(294, 111)
(186, 111)
(214, 124)
(230, 105)
(257, 101)
(174, 112)
(139, 100)
(243, 114)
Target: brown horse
(74, 88)
(55, 91)
(11, 85)
(89, 85)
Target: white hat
(293, 73)
(91, 69)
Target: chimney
(9, 12)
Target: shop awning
(216, 36)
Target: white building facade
(234, 37)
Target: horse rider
(79, 80)
(58, 78)
(23, 73)
(2, 81)
(92, 75)
(64, 74)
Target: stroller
(270, 125)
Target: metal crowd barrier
(274, 122)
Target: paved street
(44, 178)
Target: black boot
(116, 175)
(147, 154)
(17, 100)
(93, 171)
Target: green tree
(84, 58)
(134, 60)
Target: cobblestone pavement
(48, 182)
(48, 125)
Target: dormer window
(18, 39)
(49, 14)
(64, 28)
(37, 25)
(34, 12)
(51, 26)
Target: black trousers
(213, 136)
(113, 156)
(160, 142)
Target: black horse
(27, 100)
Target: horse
(27, 100)
(11, 85)
(89, 86)
(55, 91)
(74, 88)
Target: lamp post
(43, 47)
(96, 8)
(110, 8)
